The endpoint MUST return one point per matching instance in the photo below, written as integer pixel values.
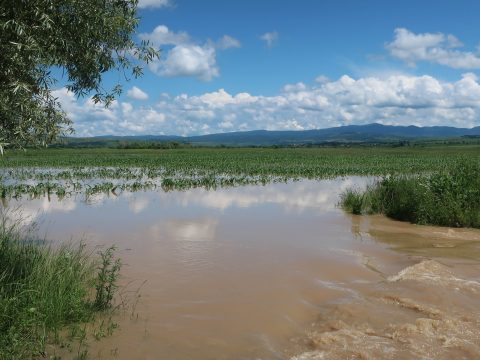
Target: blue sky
(264, 64)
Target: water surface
(243, 273)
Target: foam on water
(400, 321)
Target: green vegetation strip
(48, 295)
(67, 171)
(448, 198)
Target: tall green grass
(447, 198)
(45, 290)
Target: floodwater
(275, 272)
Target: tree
(79, 39)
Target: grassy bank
(45, 292)
(447, 198)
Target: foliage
(40, 39)
(43, 290)
(448, 197)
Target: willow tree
(72, 41)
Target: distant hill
(351, 133)
(343, 134)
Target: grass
(447, 198)
(45, 291)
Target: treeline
(115, 144)
(151, 144)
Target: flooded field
(271, 272)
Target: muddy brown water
(275, 272)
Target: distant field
(317, 162)
(66, 171)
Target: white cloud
(137, 94)
(300, 86)
(228, 42)
(221, 98)
(189, 60)
(270, 38)
(436, 48)
(321, 79)
(142, 4)
(162, 35)
(184, 57)
(394, 100)
(119, 118)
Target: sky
(238, 65)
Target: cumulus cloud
(185, 57)
(321, 79)
(142, 4)
(270, 38)
(300, 86)
(189, 60)
(436, 48)
(118, 118)
(162, 35)
(228, 42)
(137, 94)
(394, 100)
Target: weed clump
(45, 290)
(447, 198)
(352, 201)
(106, 282)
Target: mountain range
(343, 134)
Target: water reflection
(190, 230)
(294, 197)
(137, 204)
